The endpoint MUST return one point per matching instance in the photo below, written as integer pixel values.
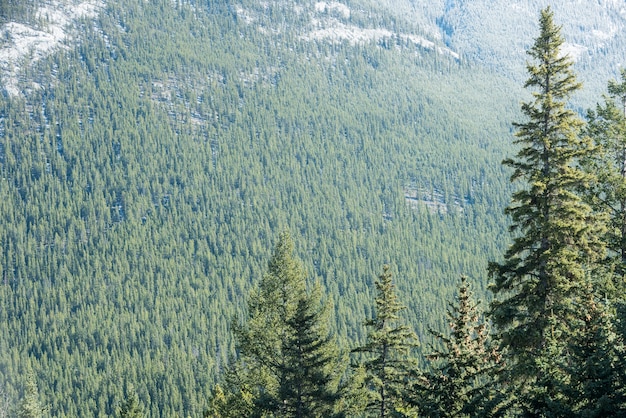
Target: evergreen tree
(289, 362)
(540, 282)
(596, 388)
(30, 406)
(355, 394)
(131, 408)
(607, 127)
(308, 385)
(235, 399)
(458, 383)
(387, 350)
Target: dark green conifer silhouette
(540, 284)
(387, 352)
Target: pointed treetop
(387, 304)
(550, 69)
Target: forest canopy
(148, 167)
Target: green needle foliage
(596, 367)
(146, 166)
(266, 331)
(30, 405)
(309, 382)
(539, 285)
(607, 127)
(131, 408)
(387, 352)
(459, 383)
(289, 363)
(234, 396)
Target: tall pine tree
(289, 363)
(557, 238)
(309, 381)
(387, 351)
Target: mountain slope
(497, 34)
(148, 163)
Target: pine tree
(288, 360)
(607, 127)
(388, 362)
(130, 408)
(557, 237)
(235, 399)
(597, 361)
(264, 335)
(459, 382)
(30, 406)
(309, 383)
(355, 393)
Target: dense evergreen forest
(558, 344)
(149, 167)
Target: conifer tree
(288, 360)
(458, 382)
(388, 362)
(264, 335)
(235, 398)
(355, 393)
(308, 386)
(557, 238)
(596, 387)
(30, 405)
(130, 408)
(607, 128)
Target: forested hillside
(497, 34)
(150, 161)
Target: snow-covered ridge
(330, 21)
(322, 7)
(336, 30)
(24, 44)
(355, 35)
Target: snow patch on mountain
(573, 50)
(329, 27)
(340, 32)
(22, 45)
(342, 9)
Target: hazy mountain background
(497, 33)
(151, 152)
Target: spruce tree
(235, 398)
(308, 385)
(607, 128)
(288, 362)
(30, 405)
(387, 352)
(458, 382)
(130, 408)
(263, 336)
(556, 235)
(596, 386)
